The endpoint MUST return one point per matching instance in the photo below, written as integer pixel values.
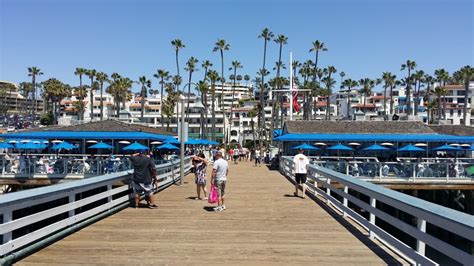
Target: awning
(85, 135)
(326, 137)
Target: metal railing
(321, 181)
(43, 215)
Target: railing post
(7, 217)
(328, 190)
(109, 188)
(447, 171)
(344, 200)
(420, 245)
(373, 202)
(72, 198)
(414, 172)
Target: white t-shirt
(221, 168)
(301, 162)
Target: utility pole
(181, 140)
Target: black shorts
(300, 178)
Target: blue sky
(132, 37)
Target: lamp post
(181, 136)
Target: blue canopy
(167, 146)
(64, 145)
(446, 148)
(171, 140)
(376, 147)
(277, 133)
(470, 148)
(340, 147)
(193, 142)
(327, 137)
(101, 145)
(304, 147)
(4, 145)
(211, 142)
(30, 146)
(135, 147)
(410, 147)
(86, 135)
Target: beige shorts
(220, 187)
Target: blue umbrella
(376, 147)
(136, 147)
(410, 148)
(30, 146)
(5, 145)
(64, 145)
(304, 147)
(446, 148)
(101, 145)
(167, 146)
(193, 142)
(171, 140)
(340, 147)
(470, 148)
(211, 142)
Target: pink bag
(213, 198)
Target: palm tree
(266, 35)
(367, 86)
(261, 115)
(145, 83)
(213, 78)
(235, 65)
(55, 91)
(80, 93)
(190, 67)
(295, 64)
(162, 75)
(26, 88)
(221, 45)
(409, 66)
(246, 78)
(429, 81)
(101, 77)
(440, 92)
(418, 81)
(329, 82)
(442, 76)
(33, 72)
(91, 73)
(464, 76)
(80, 72)
(252, 115)
(280, 40)
(342, 74)
(388, 79)
(203, 88)
(349, 83)
(171, 101)
(178, 45)
(206, 65)
(317, 46)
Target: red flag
(296, 105)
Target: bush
(46, 119)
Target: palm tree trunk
(222, 99)
(92, 98)
(34, 94)
(206, 111)
(161, 103)
(142, 104)
(348, 101)
(466, 93)
(439, 108)
(385, 103)
(391, 100)
(101, 101)
(232, 103)
(262, 111)
(213, 100)
(189, 94)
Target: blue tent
(4, 145)
(101, 145)
(376, 147)
(410, 148)
(340, 147)
(304, 147)
(30, 146)
(167, 146)
(64, 145)
(446, 148)
(135, 147)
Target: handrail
(67, 204)
(456, 222)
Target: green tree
(235, 65)
(34, 72)
(203, 88)
(266, 35)
(418, 79)
(145, 84)
(329, 83)
(101, 77)
(280, 40)
(162, 75)
(349, 84)
(80, 72)
(79, 105)
(191, 68)
(55, 91)
(464, 76)
(213, 78)
(316, 48)
(177, 45)
(367, 86)
(388, 79)
(440, 92)
(409, 66)
(442, 76)
(221, 45)
(171, 101)
(25, 89)
(91, 73)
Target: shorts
(142, 188)
(220, 187)
(236, 157)
(300, 178)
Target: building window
(236, 124)
(233, 133)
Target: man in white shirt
(220, 171)
(300, 170)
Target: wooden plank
(263, 224)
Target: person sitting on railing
(300, 170)
(144, 169)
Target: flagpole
(291, 86)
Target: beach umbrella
(446, 148)
(101, 145)
(5, 145)
(340, 147)
(410, 148)
(211, 142)
(30, 146)
(64, 145)
(376, 147)
(171, 140)
(124, 142)
(135, 147)
(192, 142)
(304, 147)
(167, 146)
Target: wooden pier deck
(264, 224)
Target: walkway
(263, 224)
